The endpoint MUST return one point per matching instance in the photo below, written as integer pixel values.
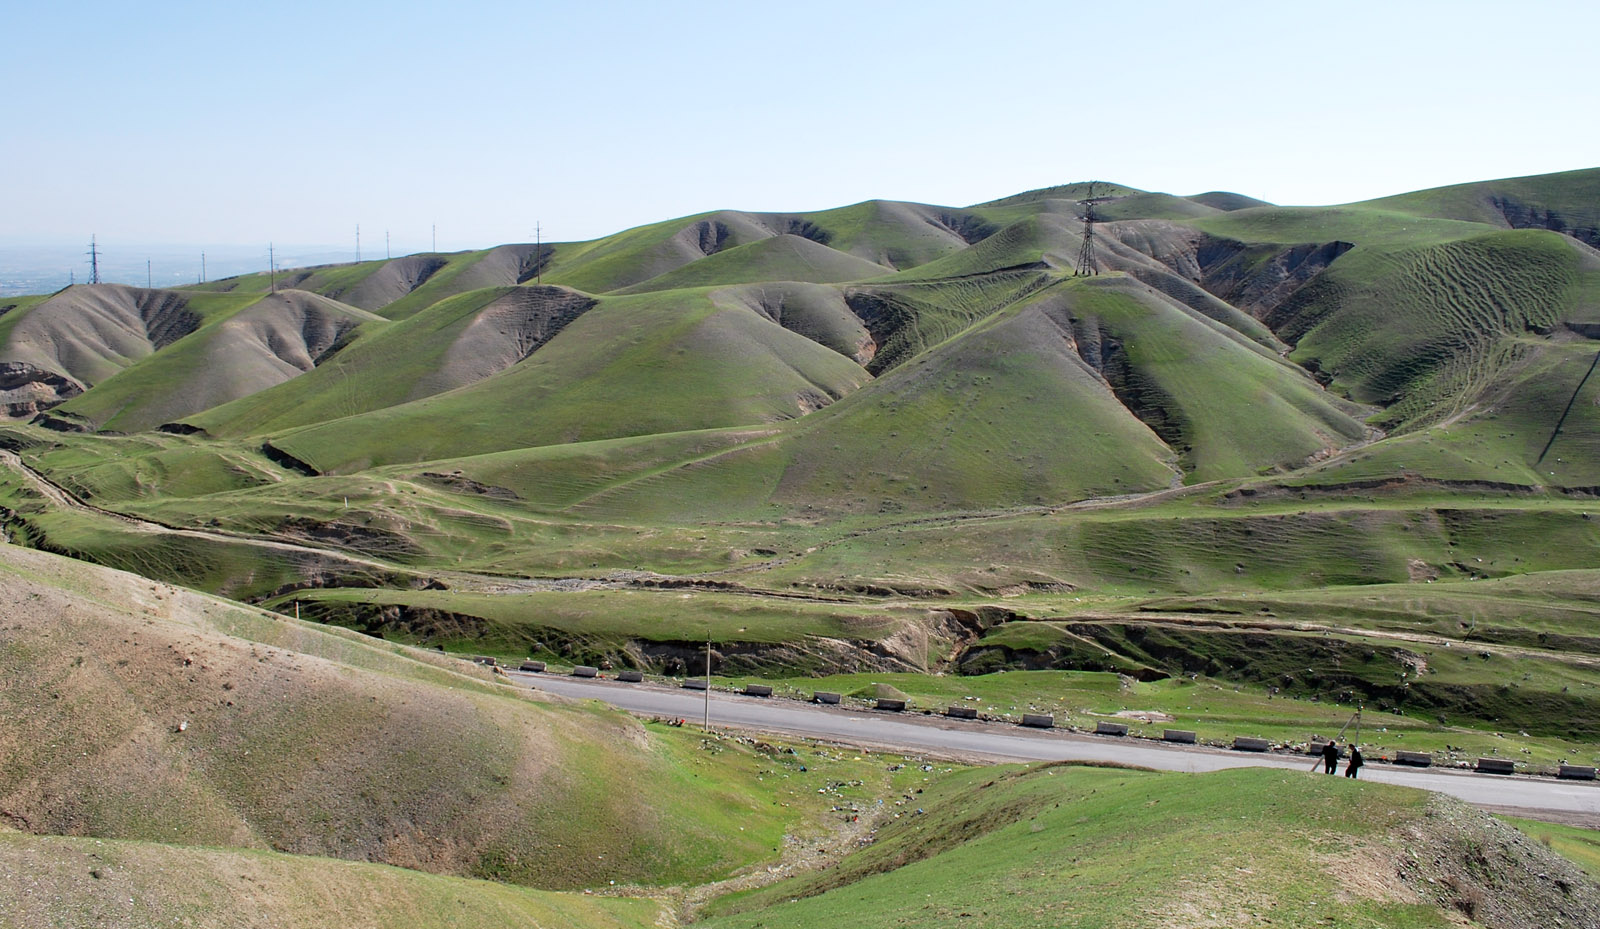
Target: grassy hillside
(901, 235)
(1443, 312)
(975, 422)
(402, 286)
(454, 343)
(91, 331)
(779, 258)
(633, 365)
(269, 342)
(1567, 202)
(57, 881)
(1220, 402)
(817, 312)
(639, 254)
(815, 416)
(147, 712)
(1062, 845)
(1266, 465)
(979, 421)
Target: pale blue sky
(216, 123)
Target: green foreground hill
(178, 758)
(147, 712)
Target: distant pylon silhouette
(1087, 264)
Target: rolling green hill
(784, 257)
(269, 342)
(1568, 202)
(652, 363)
(453, 343)
(884, 415)
(1267, 464)
(1063, 845)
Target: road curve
(938, 735)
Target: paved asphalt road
(937, 735)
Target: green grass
(17, 308)
(1578, 845)
(1507, 421)
(1022, 243)
(1359, 223)
(517, 622)
(73, 335)
(972, 423)
(633, 365)
(635, 255)
(1211, 706)
(380, 368)
(935, 438)
(79, 881)
(119, 470)
(305, 739)
(1095, 847)
(1569, 198)
(779, 258)
(1226, 405)
(1444, 310)
(224, 360)
(910, 317)
(900, 235)
(465, 272)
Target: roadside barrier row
(1042, 721)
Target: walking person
(1355, 762)
(1330, 757)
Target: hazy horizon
(148, 125)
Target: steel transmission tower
(94, 261)
(1086, 260)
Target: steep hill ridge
(89, 332)
(273, 340)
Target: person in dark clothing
(1330, 757)
(1355, 763)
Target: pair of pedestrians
(1330, 759)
